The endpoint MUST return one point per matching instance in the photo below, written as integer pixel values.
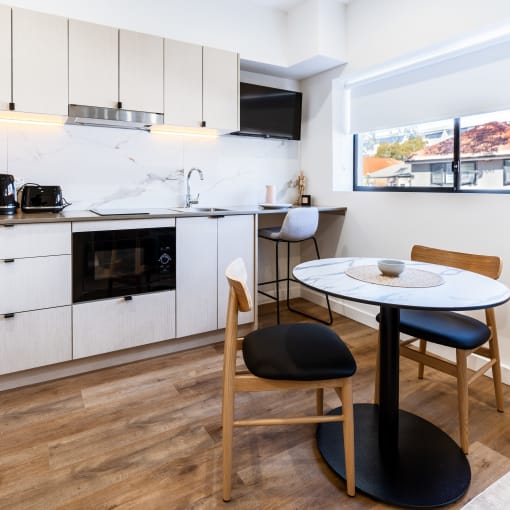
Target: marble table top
(460, 290)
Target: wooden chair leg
(227, 438)
(421, 366)
(377, 368)
(496, 376)
(345, 394)
(494, 354)
(462, 395)
(319, 396)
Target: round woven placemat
(408, 278)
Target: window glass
(485, 151)
(416, 156)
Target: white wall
(388, 224)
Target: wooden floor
(147, 436)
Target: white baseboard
(352, 311)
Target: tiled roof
(490, 139)
(372, 164)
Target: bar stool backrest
(299, 224)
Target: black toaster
(36, 198)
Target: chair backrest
(299, 224)
(486, 265)
(237, 279)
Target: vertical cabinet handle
(12, 106)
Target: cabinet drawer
(34, 339)
(35, 283)
(35, 240)
(114, 324)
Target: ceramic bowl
(389, 267)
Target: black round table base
(429, 469)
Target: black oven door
(122, 262)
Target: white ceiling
(284, 5)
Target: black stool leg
(327, 322)
(277, 286)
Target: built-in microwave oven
(110, 263)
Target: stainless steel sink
(208, 209)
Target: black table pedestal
(428, 469)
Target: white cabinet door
(35, 283)
(236, 238)
(113, 324)
(140, 71)
(34, 240)
(221, 89)
(39, 56)
(183, 83)
(93, 64)
(5, 57)
(34, 339)
(196, 275)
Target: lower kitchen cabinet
(35, 282)
(204, 248)
(120, 323)
(34, 339)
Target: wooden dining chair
(299, 356)
(465, 334)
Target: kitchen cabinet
(93, 64)
(39, 62)
(108, 66)
(201, 86)
(221, 89)
(112, 324)
(140, 71)
(35, 309)
(236, 238)
(35, 339)
(5, 57)
(204, 247)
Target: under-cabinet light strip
(199, 132)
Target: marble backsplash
(119, 168)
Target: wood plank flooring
(147, 436)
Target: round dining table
(401, 458)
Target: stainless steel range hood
(112, 117)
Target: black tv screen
(269, 112)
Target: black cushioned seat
(298, 351)
(446, 328)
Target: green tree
(400, 151)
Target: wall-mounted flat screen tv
(269, 112)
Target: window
(463, 154)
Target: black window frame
(455, 165)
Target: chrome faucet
(189, 201)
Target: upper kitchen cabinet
(183, 84)
(115, 68)
(39, 62)
(221, 89)
(201, 86)
(141, 71)
(5, 57)
(93, 64)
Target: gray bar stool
(300, 224)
